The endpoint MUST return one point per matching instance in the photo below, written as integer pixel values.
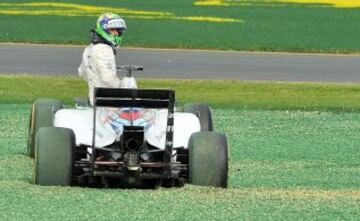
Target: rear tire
(208, 159)
(203, 112)
(42, 114)
(53, 164)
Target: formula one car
(127, 138)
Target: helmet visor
(117, 23)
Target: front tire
(203, 112)
(42, 114)
(208, 159)
(53, 164)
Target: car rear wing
(141, 98)
(138, 98)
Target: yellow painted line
(72, 10)
(310, 3)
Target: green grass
(289, 159)
(293, 148)
(285, 27)
(284, 165)
(219, 94)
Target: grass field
(275, 25)
(286, 163)
(220, 94)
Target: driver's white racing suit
(98, 68)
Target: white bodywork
(81, 122)
(128, 82)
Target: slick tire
(53, 164)
(203, 112)
(42, 114)
(208, 159)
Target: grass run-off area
(265, 25)
(289, 160)
(218, 93)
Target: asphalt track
(194, 64)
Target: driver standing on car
(98, 66)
